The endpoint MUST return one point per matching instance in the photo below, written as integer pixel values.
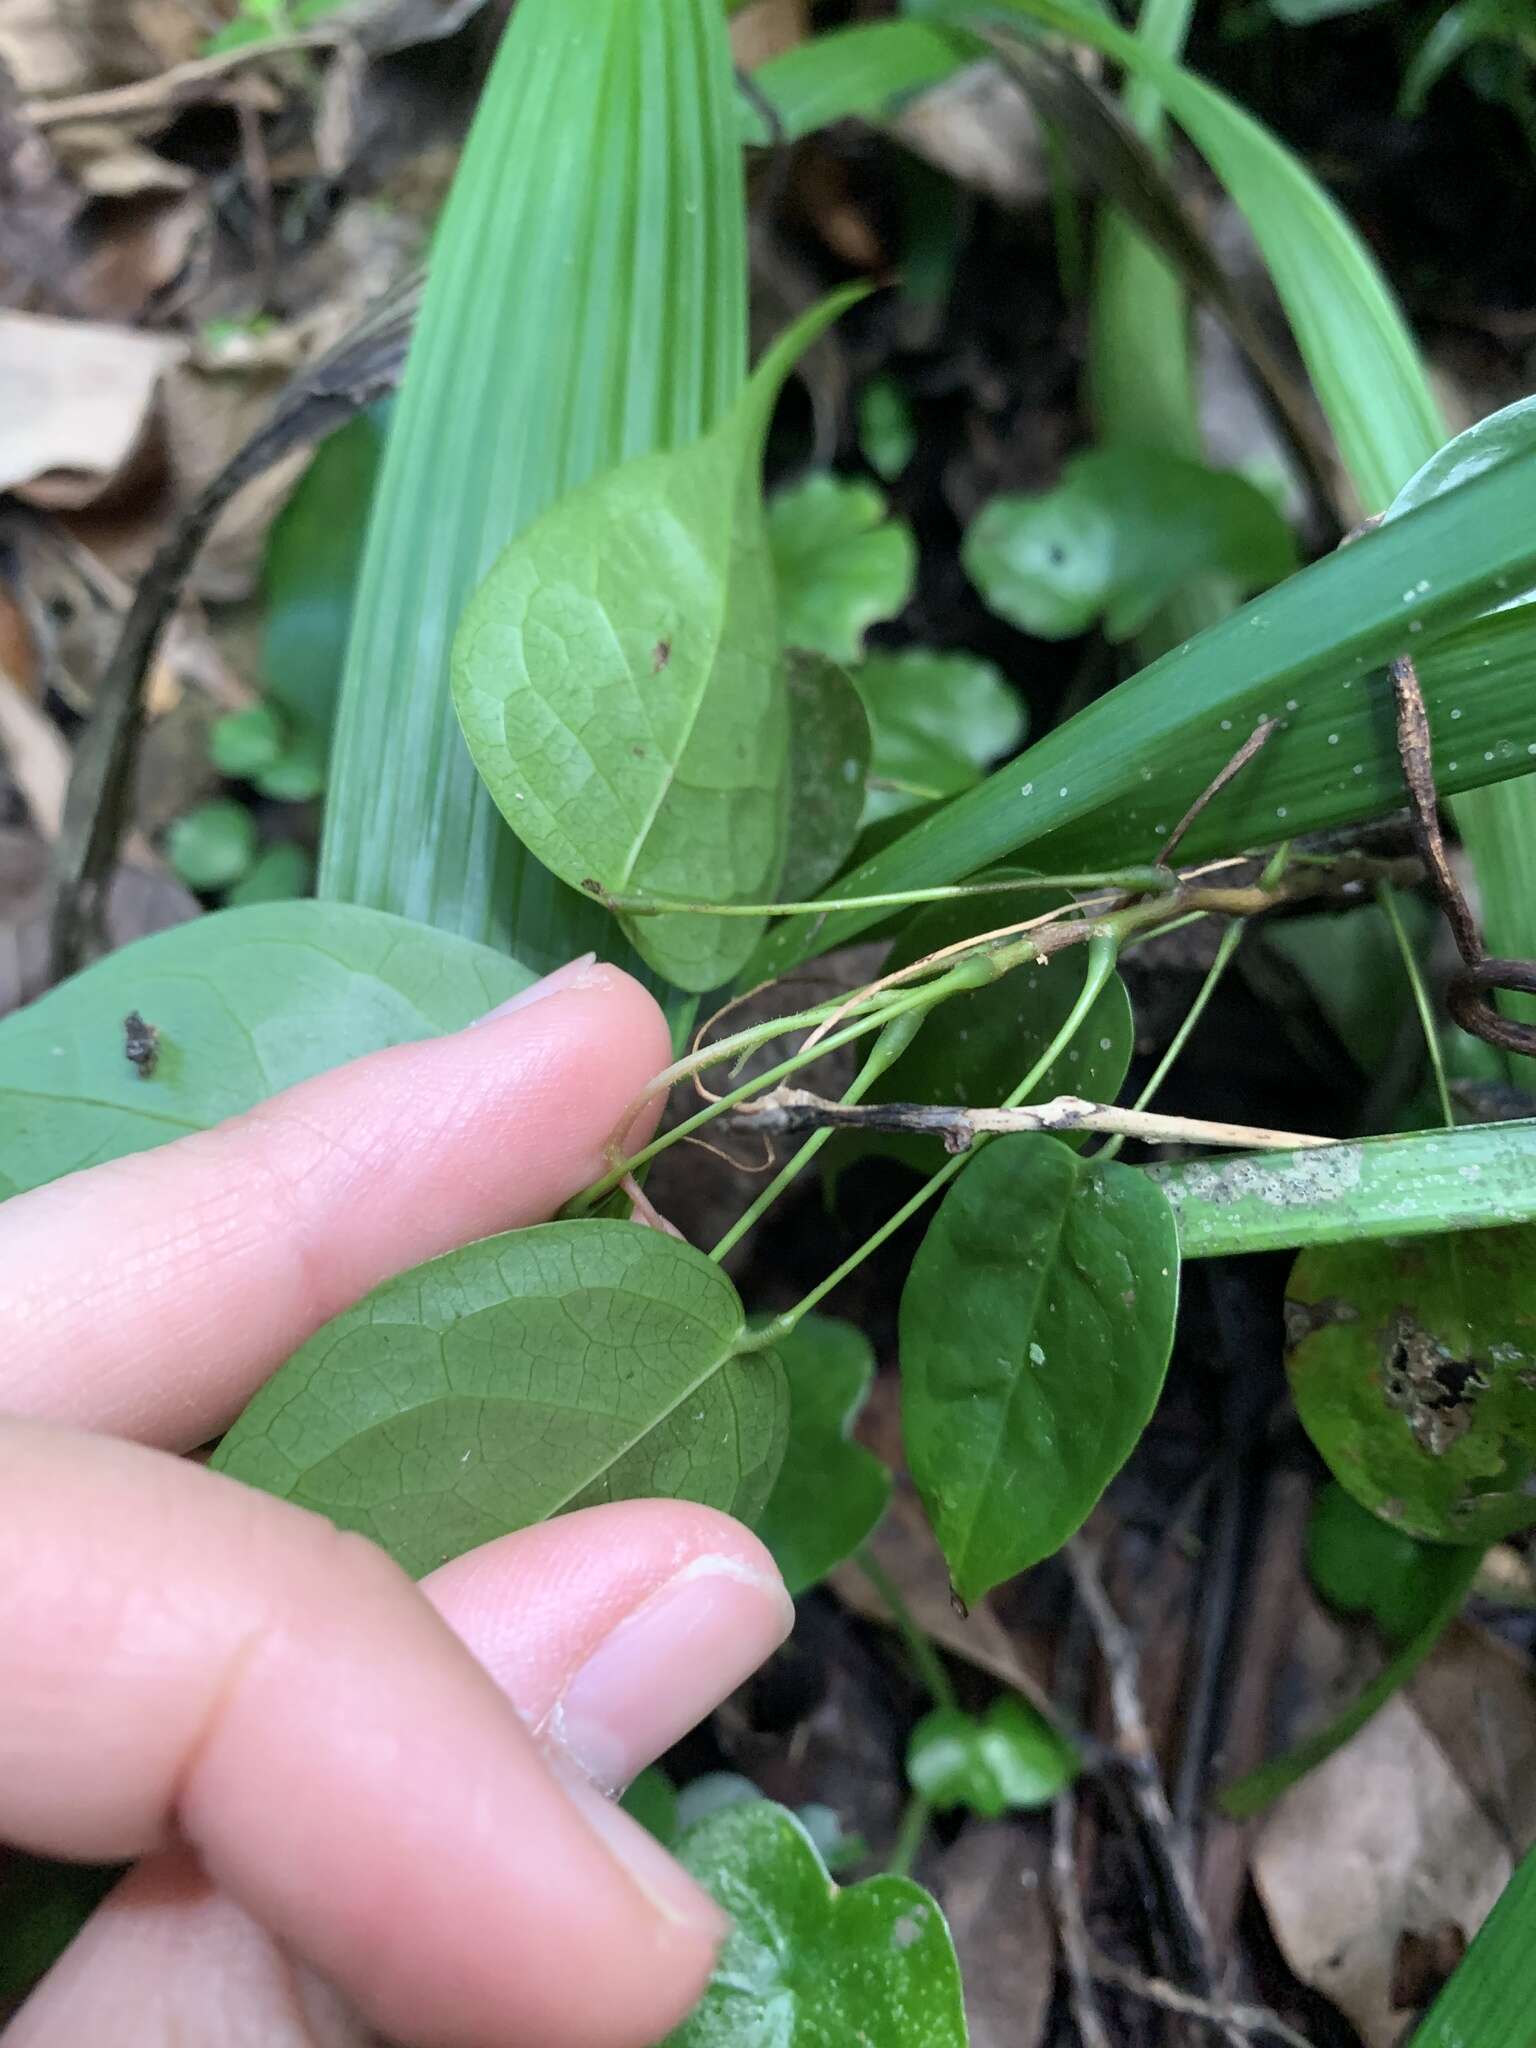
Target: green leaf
(1036, 1325)
(1009, 1759)
(1301, 13)
(1492, 1992)
(618, 679)
(297, 776)
(829, 749)
(1456, 31)
(985, 1042)
(830, 1492)
(1431, 1181)
(243, 1003)
(244, 742)
(938, 720)
(652, 1800)
(867, 71)
(1362, 1566)
(1483, 446)
(586, 301)
(1124, 531)
(213, 845)
(1093, 792)
(1248, 1795)
(840, 564)
(309, 578)
(1413, 1369)
(279, 875)
(887, 435)
(806, 1965)
(1353, 970)
(524, 1376)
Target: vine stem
(1387, 897)
(1103, 950)
(1141, 881)
(926, 1660)
(892, 1042)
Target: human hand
(360, 1804)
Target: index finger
(151, 1296)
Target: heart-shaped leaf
(1008, 1759)
(1414, 1370)
(549, 1369)
(1035, 1330)
(1121, 533)
(830, 1492)
(213, 845)
(984, 1043)
(841, 565)
(617, 675)
(1362, 1566)
(938, 721)
(828, 766)
(806, 1965)
(238, 1005)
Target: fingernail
(666, 1665)
(574, 974)
(659, 1876)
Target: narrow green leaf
(1413, 1368)
(1122, 533)
(938, 721)
(1490, 2001)
(1361, 1565)
(829, 747)
(830, 1491)
(840, 564)
(586, 302)
(618, 679)
(1359, 354)
(213, 845)
(887, 434)
(1008, 1760)
(806, 1965)
(1095, 790)
(1249, 1795)
(1036, 1325)
(982, 1044)
(1431, 1181)
(1498, 825)
(309, 578)
(242, 1003)
(550, 1369)
(867, 71)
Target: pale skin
(358, 1806)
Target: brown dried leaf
(81, 402)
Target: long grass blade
(1473, 1178)
(587, 302)
(1490, 2001)
(1302, 653)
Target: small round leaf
(1008, 1759)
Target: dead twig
(1469, 996)
(320, 398)
(785, 1111)
(1066, 1886)
(1133, 1753)
(170, 89)
(1249, 2021)
(1257, 739)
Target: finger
(647, 1613)
(151, 1296)
(183, 1660)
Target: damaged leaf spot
(661, 654)
(1422, 1380)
